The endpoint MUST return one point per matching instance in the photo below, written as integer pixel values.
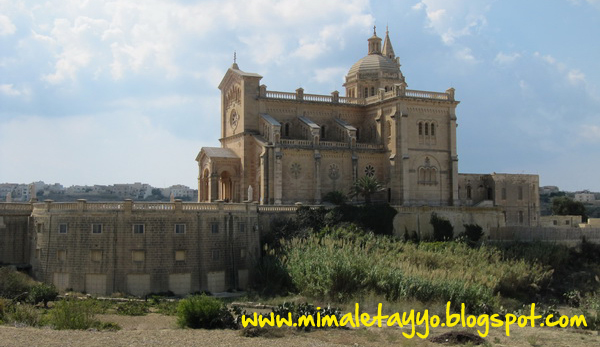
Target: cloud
(506, 59)
(330, 74)
(452, 20)
(466, 55)
(589, 133)
(10, 90)
(6, 26)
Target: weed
(201, 311)
(72, 314)
(132, 308)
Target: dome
(375, 64)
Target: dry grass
(159, 330)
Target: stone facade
(296, 147)
(517, 195)
(140, 248)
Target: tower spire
(388, 50)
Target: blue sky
(102, 92)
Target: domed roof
(374, 63)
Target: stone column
(317, 177)
(278, 177)
(403, 150)
(453, 158)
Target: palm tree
(365, 186)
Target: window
(215, 228)
(566, 222)
(138, 256)
(555, 222)
(242, 253)
(322, 132)
(432, 129)
(40, 227)
(180, 255)
(242, 227)
(61, 255)
(420, 128)
(138, 228)
(366, 92)
(286, 131)
(372, 91)
(426, 129)
(96, 228)
(215, 254)
(96, 255)
(179, 228)
(520, 193)
(468, 192)
(62, 228)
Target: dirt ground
(158, 330)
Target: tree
(365, 186)
(442, 228)
(563, 206)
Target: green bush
(42, 293)
(132, 308)
(23, 314)
(335, 197)
(442, 229)
(13, 284)
(473, 232)
(204, 312)
(73, 314)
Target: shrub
(42, 293)
(14, 285)
(442, 229)
(132, 308)
(201, 311)
(73, 314)
(23, 314)
(271, 277)
(472, 234)
(335, 197)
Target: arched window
(286, 130)
(432, 129)
(357, 134)
(323, 132)
(426, 129)
(468, 192)
(420, 128)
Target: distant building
(561, 221)
(585, 197)
(547, 190)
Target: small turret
(375, 43)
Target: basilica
(287, 147)
(296, 147)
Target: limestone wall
(569, 236)
(417, 219)
(139, 248)
(14, 224)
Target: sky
(104, 92)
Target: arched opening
(323, 132)
(469, 192)
(286, 131)
(225, 187)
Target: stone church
(282, 148)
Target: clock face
(233, 119)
